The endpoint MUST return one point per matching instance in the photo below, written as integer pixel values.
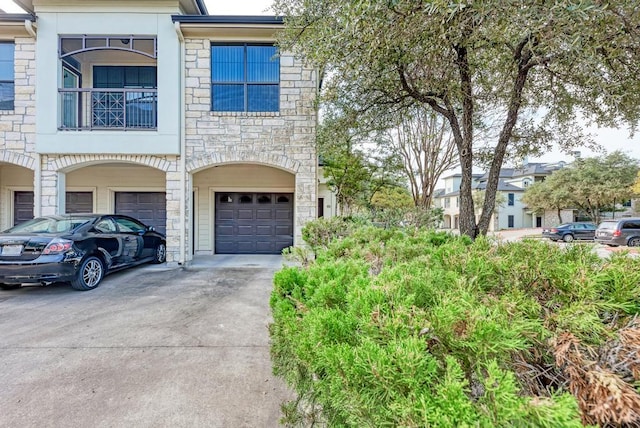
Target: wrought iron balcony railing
(108, 109)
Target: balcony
(108, 109)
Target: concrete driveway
(150, 347)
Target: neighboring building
(327, 202)
(195, 124)
(513, 213)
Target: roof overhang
(13, 24)
(195, 7)
(231, 28)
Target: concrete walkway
(150, 347)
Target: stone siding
(284, 139)
(18, 126)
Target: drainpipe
(183, 150)
(31, 29)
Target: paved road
(148, 348)
(602, 250)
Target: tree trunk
(522, 57)
(465, 145)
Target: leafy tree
(591, 184)
(423, 141)
(513, 73)
(353, 172)
(596, 183)
(391, 198)
(635, 188)
(550, 194)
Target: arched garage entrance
(121, 188)
(17, 195)
(243, 209)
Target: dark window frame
(511, 221)
(13, 81)
(511, 197)
(246, 83)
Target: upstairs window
(511, 199)
(245, 78)
(7, 85)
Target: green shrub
(392, 327)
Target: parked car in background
(76, 248)
(569, 232)
(623, 231)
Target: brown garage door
(253, 223)
(79, 202)
(22, 206)
(148, 207)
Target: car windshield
(608, 225)
(49, 225)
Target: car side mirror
(151, 228)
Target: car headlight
(58, 246)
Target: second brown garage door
(253, 223)
(148, 207)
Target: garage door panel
(226, 247)
(225, 214)
(246, 247)
(264, 230)
(264, 214)
(261, 223)
(225, 231)
(22, 206)
(148, 207)
(265, 246)
(282, 214)
(246, 230)
(79, 202)
(283, 230)
(245, 214)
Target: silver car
(623, 231)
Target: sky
(610, 139)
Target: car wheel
(89, 275)
(634, 242)
(10, 286)
(567, 238)
(160, 253)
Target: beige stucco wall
(240, 177)
(103, 181)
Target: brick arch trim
(268, 159)
(17, 159)
(70, 162)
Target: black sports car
(76, 248)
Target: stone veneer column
(49, 187)
(174, 192)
